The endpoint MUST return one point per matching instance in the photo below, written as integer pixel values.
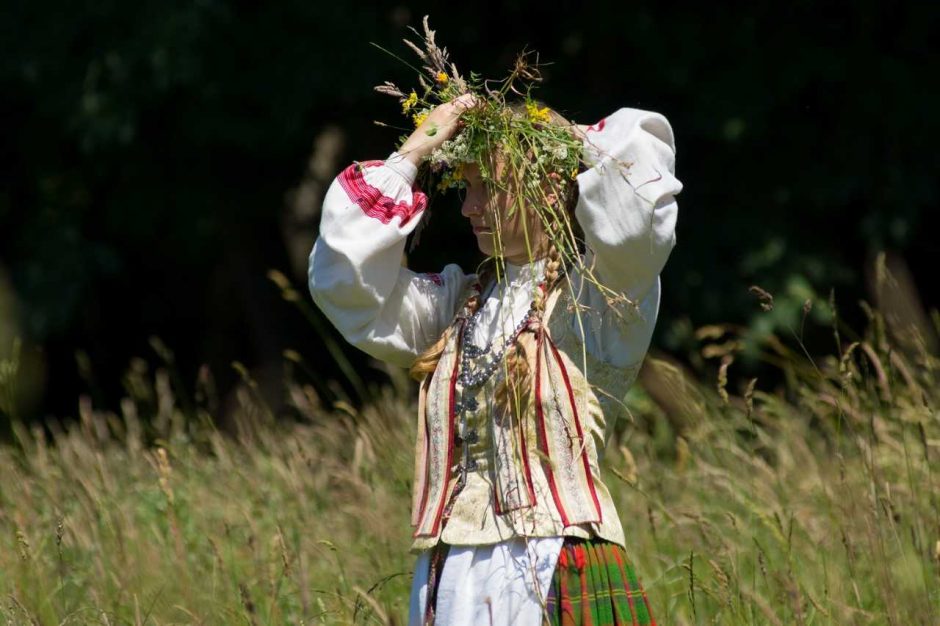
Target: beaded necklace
(477, 365)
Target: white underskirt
(499, 584)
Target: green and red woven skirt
(595, 585)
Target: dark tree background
(160, 157)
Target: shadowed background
(160, 158)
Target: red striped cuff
(373, 200)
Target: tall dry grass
(816, 502)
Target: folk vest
(543, 465)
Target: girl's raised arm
(627, 209)
(355, 272)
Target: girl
(513, 524)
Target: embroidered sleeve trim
(372, 201)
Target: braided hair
(512, 393)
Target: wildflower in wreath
(418, 118)
(409, 102)
(536, 114)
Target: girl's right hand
(441, 124)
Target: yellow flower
(419, 118)
(536, 114)
(409, 102)
(442, 78)
(574, 173)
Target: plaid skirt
(594, 584)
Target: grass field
(816, 502)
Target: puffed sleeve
(627, 209)
(355, 271)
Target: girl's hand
(441, 124)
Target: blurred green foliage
(148, 148)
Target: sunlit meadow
(812, 500)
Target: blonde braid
(512, 393)
(514, 390)
(427, 361)
(552, 273)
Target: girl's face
(485, 211)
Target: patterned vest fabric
(535, 475)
